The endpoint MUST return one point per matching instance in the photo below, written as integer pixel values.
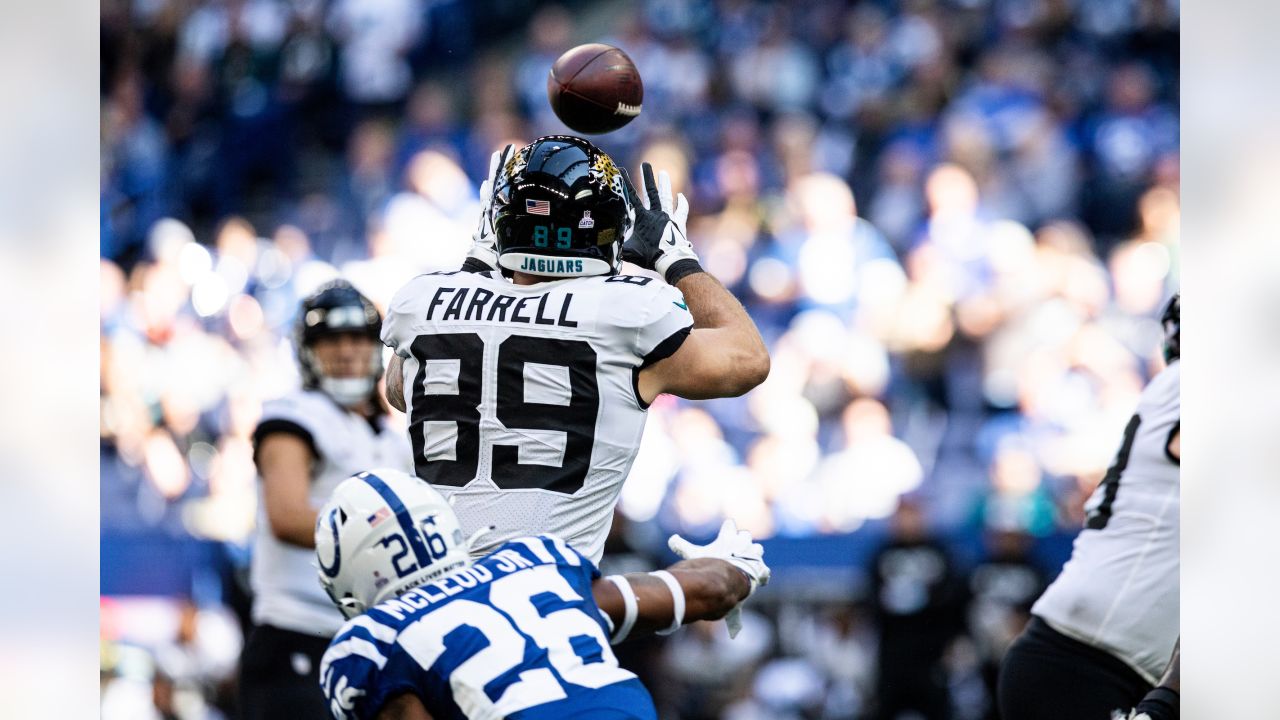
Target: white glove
(484, 247)
(658, 240)
(735, 547)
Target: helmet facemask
(338, 308)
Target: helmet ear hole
(348, 604)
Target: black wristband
(475, 265)
(681, 269)
(1160, 704)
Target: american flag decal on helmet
(378, 517)
(537, 207)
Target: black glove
(658, 240)
(1159, 704)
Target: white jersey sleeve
(1119, 590)
(660, 320)
(310, 416)
(655, 329)
(522, 399)
(283, 576)
(294, 414)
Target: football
(595, 88)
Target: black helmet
(333, 309)
(560, 209)
(1172, 322)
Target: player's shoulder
(1171, 375)
(1165, 389)
(635, 300)
(635, 285)
(299, 400)
(351, 667)
(303, 407)
(545, 549)
(377, 626)
(419, 288)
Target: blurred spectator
(1018, 501)
(430, 223)
(789, 688)
(365, 188)
(167, 660)
(1127, 137)
(840, 642)
(374, 37)
(1002, 587)
(430, 120)
(203, 653)
(779, 72)
(831, 247)
(919, 605)
(133, 157)
(898, 200)
(866, 477)
(258, 140)
(706, 671)
(550, 33)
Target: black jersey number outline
(1101, 515)
(576, 420)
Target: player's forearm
(710, 589)
(713, 307)
(293, 522)
(284, 463)
(295, 526)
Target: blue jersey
(515, 635)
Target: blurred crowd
(954, 222)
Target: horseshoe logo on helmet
(332, 570)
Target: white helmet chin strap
(349, 392)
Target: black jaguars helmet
(333, 309)
(1172, 322)
(560, 210)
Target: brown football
(595, 88)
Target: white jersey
(287, 592)
(1119, 590)
(522, 400)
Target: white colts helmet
(381, 533)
